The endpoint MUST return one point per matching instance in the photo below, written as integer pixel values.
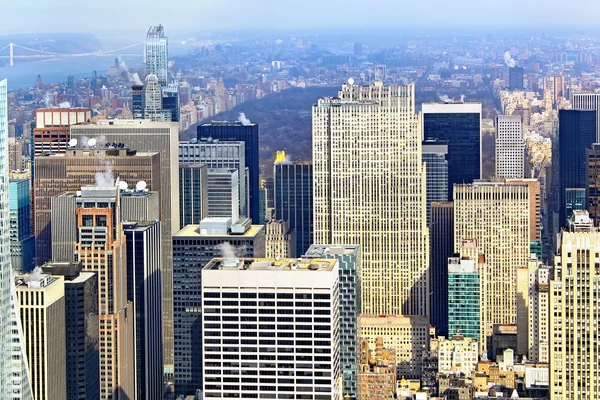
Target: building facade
(269, 292)
(457, 355)
(294, 201)
(22, 241)
(280, 240)
(222, 193)
(539, 312)
(379, 205)
(592, 164)
(464, 298)
(52, 128)
(441, 232)
(156, 54)
(588, 101)
(515, 78)
(193, 193)
(510, 147)
(435, 157)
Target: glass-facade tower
(156, 54)
(464, 313)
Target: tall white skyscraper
(14, 375)
(369, 190)
(588, 101)
(510, 147)
(156, 54)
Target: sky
(188, 17)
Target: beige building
(41, 305)
(369, 190)
(574, 319)
(280, 239)
(52, 128)
(535, 206)
(492, 219)
(15, 154)
(408, 336)
(457, 355)
(539, 303)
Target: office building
(156, 54)
(349, 259)
(170, 100)
(457, 355)
(162, 137)
(407, 335)
(464, 307)
(193, 193)
(280, 240)
(52, 128)
(294, 200)
(81, 332)
(435, 157)
(269, 292)
(491, 225)
(535, 224)
(458, 124)
(68, 172)
(137, 101)
(193, 248)
(574, 298)
(510, 147)
(239, 132)
(101, 249)
(515, 78)
(13, 372)
(576, 133)
(574, 200)
(41, 307)
(592, 164)
(153, 101)
(559, 88)
(144, 290)
(375, 198)
(216, 154)
(15, 154)
(441, 232)
(222, 193)
(22, 241)
(588, 101)
(539, 309)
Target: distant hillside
(54, 42)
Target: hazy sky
(181, 17)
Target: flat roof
(451, 108)
(324, 249)
(271, 264)
(193, 231)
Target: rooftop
(322, 249)
(228, 123)
(193, 231)
(271, 264)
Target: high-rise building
(592, 164)
(435, 157)
(22, 241)
(491, 220)
(588, 101)
(559, 88)
(153, 101)
(193, 248)
(515, 78)
(14, 373)
(144, 290)
(577, 132)
(218, 154)
(170, 100)
(464, 307)
(266, 293)
(535, 205)
(137, 101)
(100, 248)
(68, 172)
(407, 335)
(41, 300)
(15, 154)
(193, 193)
(156, 54)
(510, 147)
(240, 132)
(222, 193)
(374, 198)
(539, 312)
(348, 258)
(159, 137)
(280, 240)
(294, 200)
(458, 124)
(82, 333)
(52, 128)
(441, 232)
(574, 298)
(574, 200)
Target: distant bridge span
(12, 51)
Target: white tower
(510, 147)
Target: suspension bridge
(14, 51)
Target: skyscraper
(170, 100)
(280, 239)
(574, 298)
(441, 231)
(374, 198)
(294, 200)
(510, 147)
(22, 241)
(193, 248)
(589, 101)
(52, 128)
(435, 157)
(458, 124)
(592, 164)
(137, 102)
(491, 220)
(156, 54)
(539, 309)
(240, 132)
(515, 78)
(153, 101)
(193, 193)
(162, 137)
(14, 374)
(577, 132)
(266, 293)
(464, 308)
(222, 193)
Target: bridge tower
(11, 50)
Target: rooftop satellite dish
(92, 142)
(123, 185)
(350, 81)
(72, 142)
(141, 185)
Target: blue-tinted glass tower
(22, 241)
(238, 132)
(294, 200)
(193, 193)
(464, 310)
(170, 100)
(576, 134)
(435, 156)
(137, 102)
